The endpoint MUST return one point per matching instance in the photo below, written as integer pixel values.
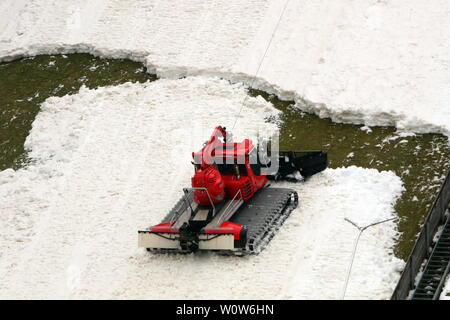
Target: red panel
(164, 227)
(233, 149)
(227, 227)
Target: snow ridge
(369, 62)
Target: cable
(260, 63)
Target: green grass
(26, 83)
(421, 160)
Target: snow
(110, 161)
(445, 295)
(360, 61)
(325, 240)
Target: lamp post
(361, 230)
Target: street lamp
(361, 230)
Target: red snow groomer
(230, 207)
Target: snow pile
(325, 240)
(371, 61)
(110, 161)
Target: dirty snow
(110, 161)
(445, 295)
(360, 61)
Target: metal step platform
(261, 216)
(436, 269)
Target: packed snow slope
(362, 61)
(110, 161)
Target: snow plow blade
(244, 229)
(307, 163)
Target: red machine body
(223, 170)
(226, 210)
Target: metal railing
(226, 214)
(436, 217)
(203, 189)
